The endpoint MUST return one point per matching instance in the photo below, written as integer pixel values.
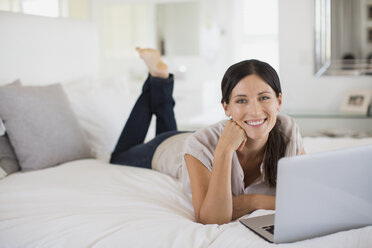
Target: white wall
(196, 90)
(39, 51)
(301, 90)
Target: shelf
(334, 124)
(328, 116)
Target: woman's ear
(226, 109)
(279, 101)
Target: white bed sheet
(89, 203)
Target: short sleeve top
(202, 145)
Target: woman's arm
(245, 204)
(208, 211)
(211, 191)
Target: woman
(229, 167)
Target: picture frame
(369, 12)
(356, 102)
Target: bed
(87, 202)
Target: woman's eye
(241, 101)
(263, 98)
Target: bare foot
(153, 61)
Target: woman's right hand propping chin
(233, 137)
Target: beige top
(169, 156)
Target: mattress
(90, 203)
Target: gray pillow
(41, 126)
(8, 160)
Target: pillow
(8, 160)
(102, 108)
(41, 126)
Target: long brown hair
(277, 141)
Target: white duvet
(89, 203)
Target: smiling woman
(238, 175)
(230, 167)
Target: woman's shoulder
(209, 133)
(205, 139)
(291, 130)
(287, 123)
(215, 128)
(202, 143)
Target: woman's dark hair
(277, 141)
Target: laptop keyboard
(270, 229)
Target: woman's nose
(254, 107)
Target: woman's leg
(141, 155)
(138, 123)
(162, 104)
(130, 149)
(156, 98)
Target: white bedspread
(89, 203)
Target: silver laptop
(319, 194)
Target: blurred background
(200, 39)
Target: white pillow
(102, 109)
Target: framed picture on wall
(356, 102)
(369, 12)
(369, 35)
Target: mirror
(343, 37)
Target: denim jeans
(156, 98)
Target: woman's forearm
(245, 204)
(217, 206)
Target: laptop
(319, 194)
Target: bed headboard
(42, 50)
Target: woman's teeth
(255, 123)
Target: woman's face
(253, 105)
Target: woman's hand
(233, 136)
(245, 204)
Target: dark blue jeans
(156, 98)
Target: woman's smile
(256, 123)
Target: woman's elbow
(217, 219)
